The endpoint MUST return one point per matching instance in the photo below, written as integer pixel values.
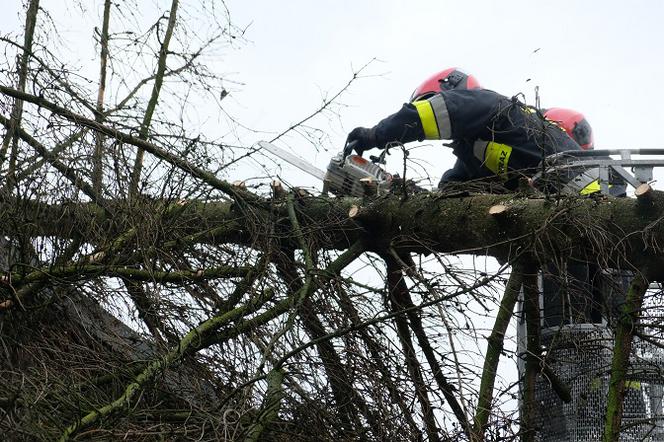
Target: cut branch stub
(498, 210)
(302, 193)
(6, 304)
(277, 189)
(96, 257)
(644, 191)
(354, 211)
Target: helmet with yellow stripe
(445, 80)
(574, 123)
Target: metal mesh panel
(580, 355)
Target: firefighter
(492, 135)
(574, 123)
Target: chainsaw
(346, 174)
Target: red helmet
(446, 80)
(574, 123)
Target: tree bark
(627, 325)
(98, 155)
(396, 287)
(17, 108)
(154, 98)
(533, 355)
(447, 225)
(495, 344)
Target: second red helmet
(445, 80)
(574, 123)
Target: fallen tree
(427, 222)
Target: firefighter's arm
(458, 114)
(447, 115)
(403, 127)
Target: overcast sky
(600, 57)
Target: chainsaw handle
(348, 148)
(377, 159)
(380, 159)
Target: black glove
(361, 139)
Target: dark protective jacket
(492, 135)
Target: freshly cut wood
(278, 190)
(498, 209)
(643, 190)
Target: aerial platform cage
(580, 355)
(576, 329)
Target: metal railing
(600, 165)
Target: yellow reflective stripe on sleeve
(590, 188)
(428, 119)
(496, 157)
